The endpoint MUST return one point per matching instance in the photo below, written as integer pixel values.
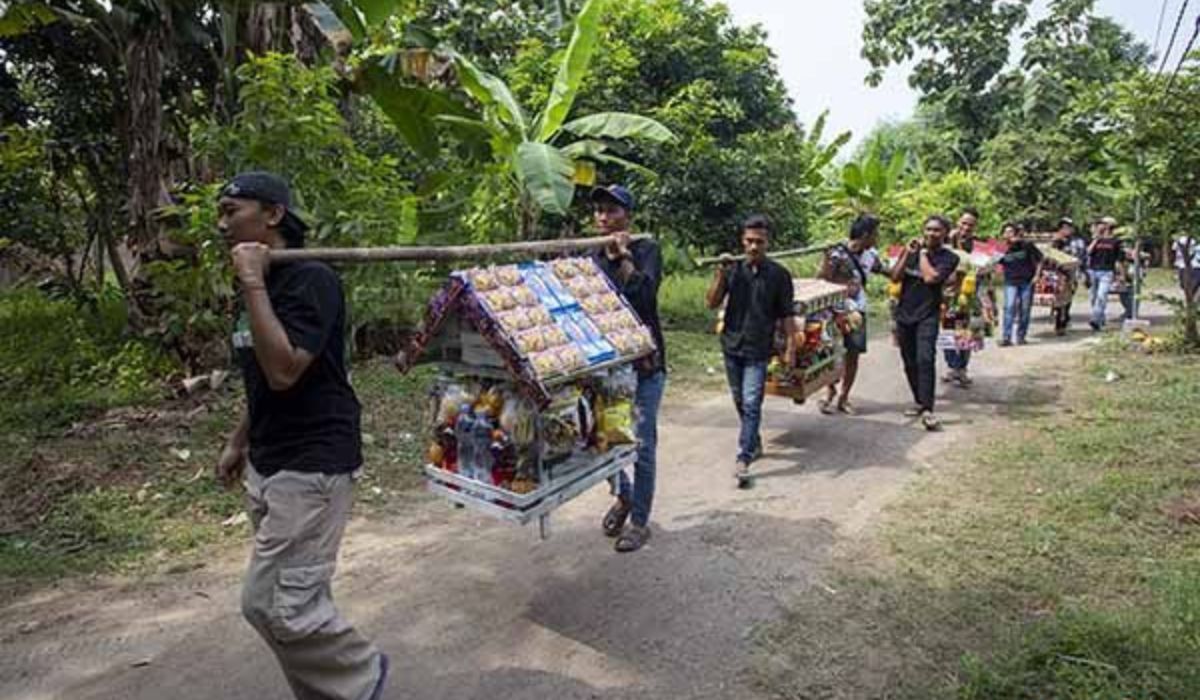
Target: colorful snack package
(483, 280)
(509, 275)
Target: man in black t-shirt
(1106, 264)
(1022, 263)
(635, 268)
(922, 269)
(758, 294)
(298, 445)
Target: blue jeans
(1018, 308)
(1102, 281)
(958, 359)
(646, 402)
(747, 383)
(1126, 298)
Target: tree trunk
(147, 189)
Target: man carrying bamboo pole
(922, 270)
(760, 295)
(850, 264)
(298, 445)
(635, 267)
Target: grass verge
(134, 488)
(1057, 560)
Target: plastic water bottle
(481, 448)
(464, 433)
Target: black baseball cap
(614, 193)
(268, 188)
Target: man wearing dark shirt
(635, 267)
(1066, 240)
(760, 295)
(1022, 263)
(922, 269)
(298, 445)
(1106, 258)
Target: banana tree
(870, 186)
(541, 156)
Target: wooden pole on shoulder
(445, 253)
(794, 253)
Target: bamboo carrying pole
(794, 253)
(445, 253)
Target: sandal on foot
(847, 408)
(826, 406)
(633, 539)
(614, 519)
(931, 422)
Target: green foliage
(960, 49)
(59, 360)
(529, 156)
(947, 195)
(289, 123)
(871, 185)
(714, 85)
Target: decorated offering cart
(532, 403)
(1055, 286)
(967, 305)
(822, 320)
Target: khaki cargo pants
(298, 521)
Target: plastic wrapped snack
(499, 300)
(580, 287)
(546, 363)
(566, 268)
(515, 321)
(532, 341)
(594, 305)
(524, 296)
(615, 424)
(571, 358)
(615, 322)
(539, 316)
(483, 279)
(509, 275)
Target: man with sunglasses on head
(922, 269)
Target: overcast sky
(817, 43)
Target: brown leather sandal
(615, 518)
(633, 539)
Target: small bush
(59, 360)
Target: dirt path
(469, 608)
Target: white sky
(817, 43)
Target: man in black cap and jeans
(635, 268)
(297, 446)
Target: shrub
(59, 360)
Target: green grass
(135, 490)
(1054, 561)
